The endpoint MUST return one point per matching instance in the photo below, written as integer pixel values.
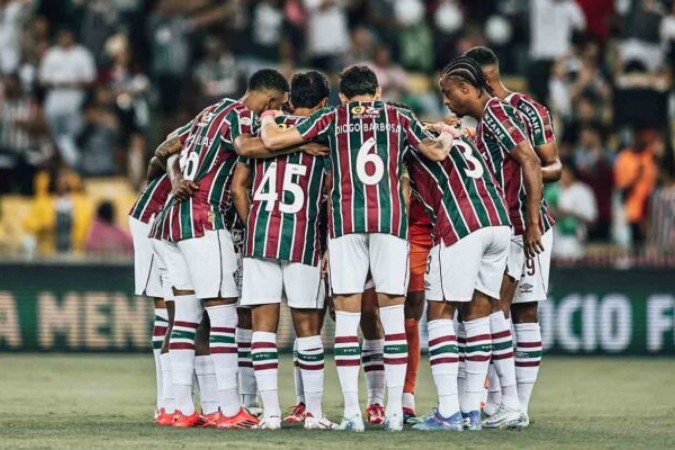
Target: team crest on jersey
(363, 111)
(205, 119)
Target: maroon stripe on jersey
(372, 208)
(372, 368)
(395, 337)
(179, 323)
(222, 330)
(528, 344)
(223, 350)
(440, 340)
(394, 162)
(490, 207)
(346, 339)
(458, 190)
(447, 360)
(480, 337)
(257, 345)
(274, 222)
(346, 172)
(301, 224)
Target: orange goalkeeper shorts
(420, 246)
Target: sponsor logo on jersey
(369, 112)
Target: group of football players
(363, 211)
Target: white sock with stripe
(205, 369)
(266, 366)
(158, 331)
(348, 359)
(372, 357)
(311, 365)
(502, 358)
(188, 314)
(461, 368)
(168, 397)
(223, 348)
(444, 362)
(477, 360)
(528, 358)
(297, 376)
(395, 357)
(248, 388)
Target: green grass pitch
(88, 401)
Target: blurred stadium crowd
(89, 86)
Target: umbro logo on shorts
(525, 288)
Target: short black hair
(268, 79)
(358, 80)
(484, 56)
(468, 70)
(106, 211)
(308, 89)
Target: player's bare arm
(551, 167)
(241, 183)
(254, 147)
(155, 169)
(275, 138)
(437, 149)
(171, 146)
(181, 189)
(525, 156)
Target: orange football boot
(180, 420)
(243, 419)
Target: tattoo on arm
(169, 147)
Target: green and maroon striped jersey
(537, 118)
(152, 199)
(208, 158)
(458, 193)
(499, 131)
(283, 221)
(154, 196)
(368, 142)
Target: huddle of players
(488, 242)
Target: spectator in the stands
(267, 22)
(391, 77)
(13, 14)
(23, 143)
(100, 136)
(573, 205)
(661, 231)
(106, 238)
(34, 44)
(218, 74)
(552, 24)
(635, 176)
(594, 166)
(640, 38)
(66, 72)
(327, 33)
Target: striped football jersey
(208, 158)
(368, 142)
(287, 196)
(458, 193)
(499, 131)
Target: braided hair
(466, 69)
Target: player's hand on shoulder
(183, 189)
(315, 149)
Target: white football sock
(348, 359)
(205, 370)
(248, 389)
(494, 398)
(372, 357)
(444, 362)
(395, 356)
(158, 331)
(502, 358)
(188, 314)
(461, 368)
(266, 366)
(528, 358)
(168, 397)
(223, 348)
(297, 376)
(311, 364)
(477, 359)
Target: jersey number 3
(272, 196)
(467, 152)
